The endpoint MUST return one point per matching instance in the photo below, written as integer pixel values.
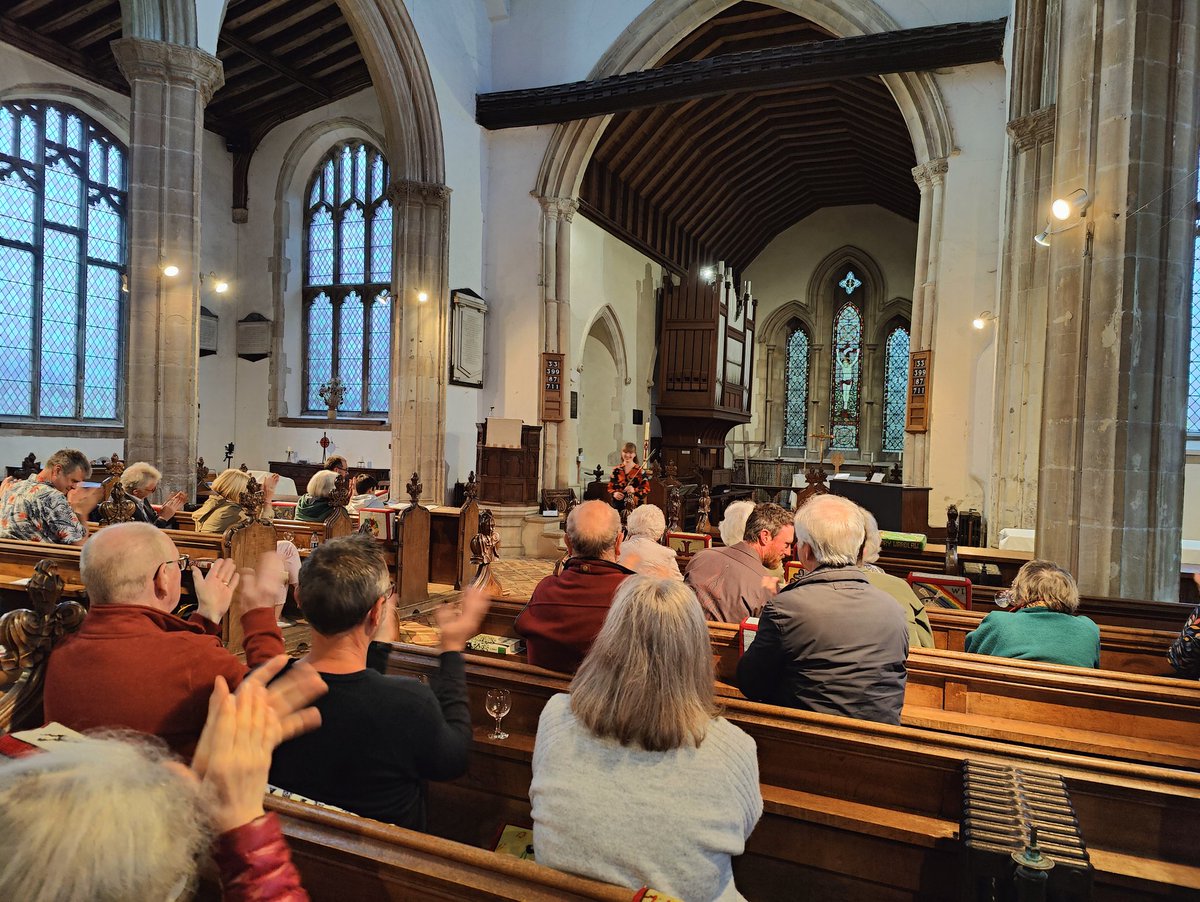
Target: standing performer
(627, 478)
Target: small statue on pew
(115, 465)
(414, 489)
(118, 508)
(244, 468)
(703, 507)
(895, 475)
(485, 548)
(471, 489)
(952, 567)
(251, 500)
(674, 509)
(340, 496)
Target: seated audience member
(381, 736)
(734, 582)
(337, 464)
(636, 781)
(1041, 624)
(141, 481)
(830, 642)
(1184, 653)
(364, 493)
(920, 633)
(641, 551)
(134, 664)
(566, 610)
(51, 506)
(223, 509)
(317, 501)
(733, 523)
(114, 817)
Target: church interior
(940, 257)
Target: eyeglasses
(184, 561)
(391, 590)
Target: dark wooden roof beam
(271, 61)
(75, 12)
(58, 54)
(241, 14)
(911, 50)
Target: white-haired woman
(317, 501)
(617, 762)
(141, 481)
(733, 523)
(114, 817)
(641, 551)
(1041, 624)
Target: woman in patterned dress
(628, 478)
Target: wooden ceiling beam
(253, 11)
(58, 54)
(76, 12)
(272, 62)
(102, 32)
(911, 50)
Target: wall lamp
(983, 319)
(220, 286)
(422, 297)
(1074, 204)
(170, 270)
(1043, 237)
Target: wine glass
(499, 701)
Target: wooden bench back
(412, 555)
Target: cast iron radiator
(1021, 840)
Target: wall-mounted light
(983, 319)
(1074, 204)
(422, 297)
(170, 270)
(1043, 237)
(219, 285)
(707, 273)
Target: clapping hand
(214, 592)
(171, 506)
(459, 626)
(260, 587)
(268, 486)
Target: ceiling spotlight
(1074, 204)
(983, 319)
(422, 297)
(170, 270)
(1043, 237)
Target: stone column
(1110, 482)
(421, 225)
(169, 88)
(558, 439)
(930, 178)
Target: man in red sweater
(565, 612)
(133, 664)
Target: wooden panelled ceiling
(720, 177)
(282, 58)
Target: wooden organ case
(705, 369)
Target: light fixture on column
(1043, 237)
(983, 319)
(422, 297)
(219, 285)
(707, 273)
(1074, 204)
(170, 270)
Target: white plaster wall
(599, 411)
(607, 272)
(1191, 498)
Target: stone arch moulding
(853, 257)
(172, 21)
(607, 328)
(99, 109)
(897, 311)
(400, 75)
(665, 22)
(774, 328)
(298, 161)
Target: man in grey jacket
(831, 642)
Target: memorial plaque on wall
(920, 369)
(552, 388)
(467, 312)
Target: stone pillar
(1110, 483)
(169, 88)
(421, 225)
(559, 446)
(930, 178)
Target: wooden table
(902, 508)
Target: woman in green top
(317, 502)
(1042, 624)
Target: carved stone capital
(143, 59)
(929, 174)
(1036, 128)
(404, 191)
(559, 207)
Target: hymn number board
(552, 388)
(920, 366)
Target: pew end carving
(245, 543)
(485, 548)
(27, 636)
(338, 522)
(118, 508)
(412, 553)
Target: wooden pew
(852, 809)
(341, 856)
(1129, 716)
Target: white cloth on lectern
(502, 433)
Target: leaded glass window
(62, 260)
(847, 377)
(895, 388)
(347, 280)
(1193, 398)
(795, 417)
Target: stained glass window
(847, 377)
(795, 417)
(347, 280)
(1193, 398)
(62, 258)
(895, 388)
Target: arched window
(347, 280)
(846, 367)
(1193, 398)
(795, 416)
(62, 264)
(895, 388)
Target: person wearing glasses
(135, 665)
(381, 736)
